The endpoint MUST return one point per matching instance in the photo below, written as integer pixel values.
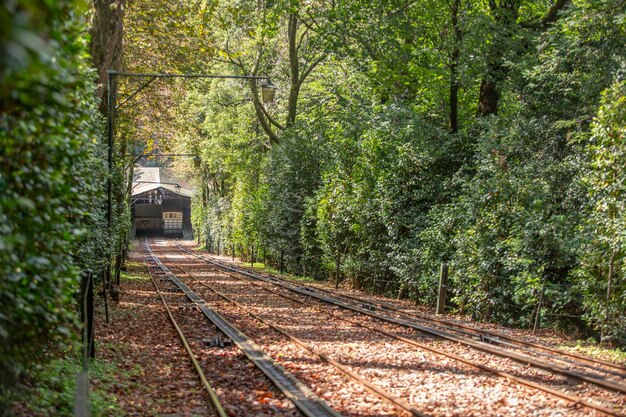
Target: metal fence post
(87, 313)
(443, 283)
(540, 304)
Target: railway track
(298, 393)
(214, 402)
(365, 307)
(382, 393)
(176, 264)
(479, 339)
(488, 336)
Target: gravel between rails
(431, 383)
(242, 389)
(601, 396)
(547, 337)
(344, 395)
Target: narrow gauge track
(214, 402)
(312, 293)
(485, 335)
(531, 406)
(382, 393)
(299, 394)
(488, 336)
(478, 341)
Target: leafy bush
(51, 174)
(601, 275)
(50, 388)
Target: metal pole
(540, 304)
(337, 268)
(111, 126)
(233, 252)
(282, 260)
(166, 75)
(87, 316)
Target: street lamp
(268, 90)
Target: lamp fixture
(268, 90)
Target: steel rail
(298, 393)
(484, 335)
(573, 399)
(478, 332)
(384, 394)
(215, 402)
(482, 346)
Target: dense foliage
(485, 135)
(52, 173)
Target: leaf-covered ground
(140, 337)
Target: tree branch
(551, 16)
(262, 115)
(310, 68)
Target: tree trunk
(402, 292)
(505, 13)
(106, 42)
(488, 97)
(454, 67)
(294, 70)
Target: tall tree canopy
(404, 135)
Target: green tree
(602, 268)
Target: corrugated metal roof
(150, 178)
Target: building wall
(175, 204)
(148, 210)
(148, 218)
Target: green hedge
(51, 174)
